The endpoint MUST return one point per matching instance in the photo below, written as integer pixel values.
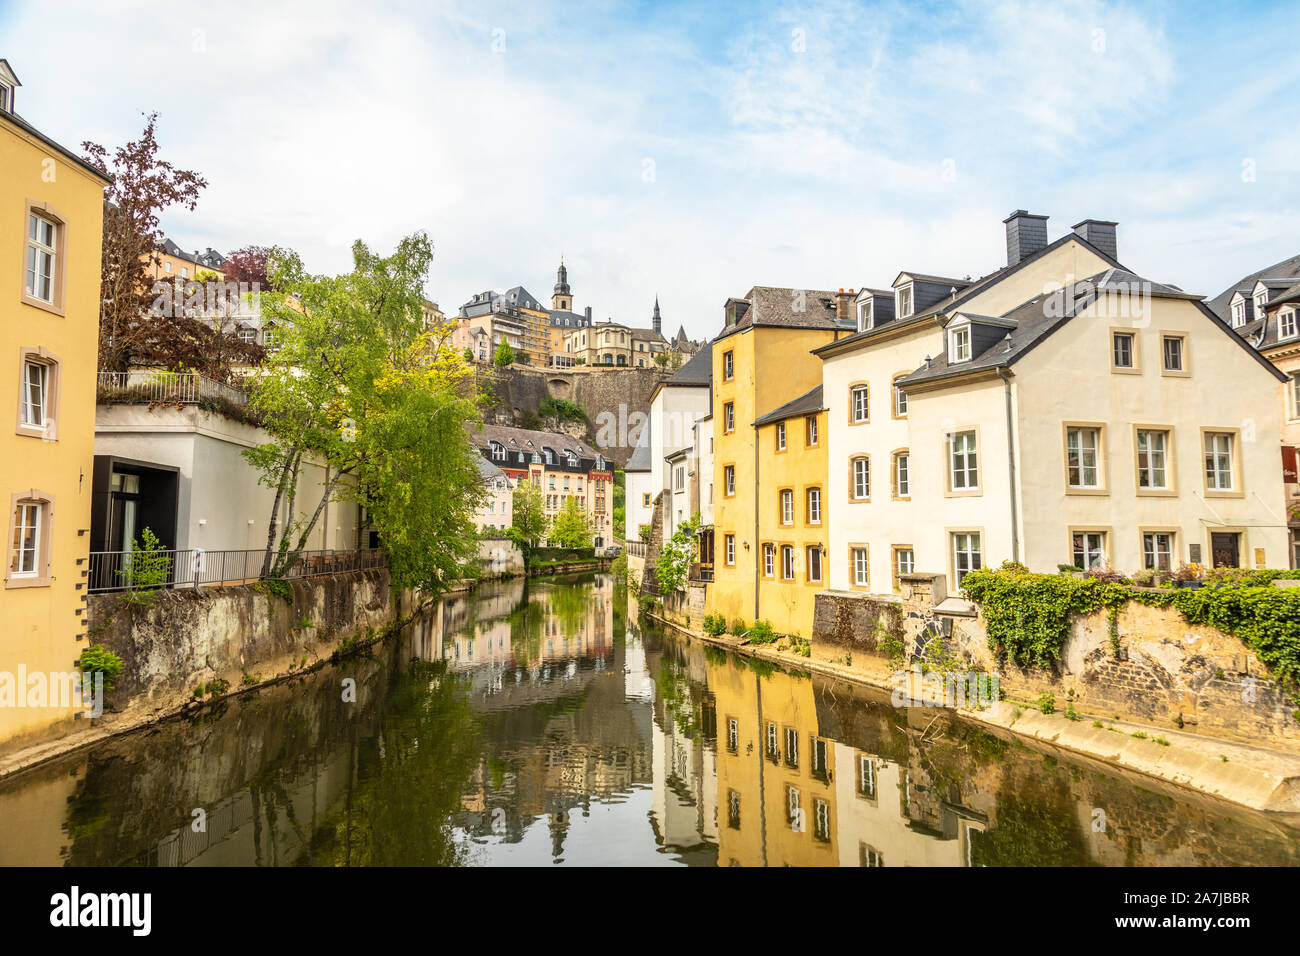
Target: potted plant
(1187, 576)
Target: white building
(497, 512)
(638, 490)
(1009, 418)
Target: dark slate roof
(649, 335)
(639, 460)
(568, 320)
(971, 289)
(958, 284)
(488, 470)
(1264, 332)
(1220, 305)
(810, 401)
(528, 440)
(696, 371)
(1042, 315)
(771, 306)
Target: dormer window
(1261, 299)
(1286, 324)
(498, 451)
(905, 301)
(1239, 314)
(864, 315)
(959, 344)
(6, 97)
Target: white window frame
(1078, 470)
(967, 553)
(861, 478)
(1220, 452)
(861, 568)
(1164, 353)
(904, 308)
(729, 417)
(860, 403)
(1239, 314)
(964, 461)
(1288, 326)
(787, 506)
(814, 497)
(900, 399)
(1083, 549)
(29, 407)
(866, 315)
(898, 561)
(729, 479)
(769, 560)
(28, 515)
(813, 556)
(41, 256)
(787, 562)
(780, 436)
(902, 476)
(1157, 458)
(729, 542)
(1152, 551)
(959, 345)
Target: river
(537, 723)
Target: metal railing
(149, 385)
(196, 567)
(636, 549)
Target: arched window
(498, 451)
(549, 455)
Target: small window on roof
(864, 315)
(959, 344)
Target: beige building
(1062, 410)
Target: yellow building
(793, 517)
(50, 257)
(776, 775)
(761, 362)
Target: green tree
(529, 522)
(571, 527)
(360, 385)
(469, 355)
(677, 556)
(505, 354)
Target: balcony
(147, 386)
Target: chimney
(1026, 235)
(844, 305)
(1098, 233)
(587, 313)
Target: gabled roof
(530, 440)
(972, 289)
(957, 284)
(805, 404)
(69, 155)
(1220, 304)
(786, 308)
(696, 371)
(1042, 315)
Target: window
(1238, 314)
(860, 409)
(36, 376)
(1152, 457)
(25, 549)
(729, 417)
(729, 480)
(814, 556)
(1122, 350)
(794, 815)
(900, 400)
(271, 338)
(864, 315)
(247, 336)
(1158, 550)
(821, 821)
(733, 734)
(42, 253)
(731, 549)
(814, 506)
(645, 499)
(1088, 549)
(679, 477)
(966, 554)
(728, 366)
(866, 782)
(791, 747)
(6, 97)
(787, 507)
(904, 301)
(787, 562)
(733, 809)
(1295, 396)
(964, 466)
(773, 742)
(810, 430)
(819, 755)
(1082, 454)
(1261, 300)
(29, 540)
(1286, 324)
(861, 570)
(904, 562)
(959, 345)
(780, 436)
(902, 482)
(861, 479)
(869, 856)
(769, 561)
(1172, 346)
(1218, 461)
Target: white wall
(217, 484)
(637, 483)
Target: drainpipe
(1011, 467)
(757, 505)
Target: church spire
(657, 322)
(562, 300)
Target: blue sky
(694, 150)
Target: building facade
(51, 250)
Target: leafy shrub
(97, 659)
(761, 633)
(738, 626)
(1047, 703)
(714, 624)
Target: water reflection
(536, 723)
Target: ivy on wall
(1028, 614)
